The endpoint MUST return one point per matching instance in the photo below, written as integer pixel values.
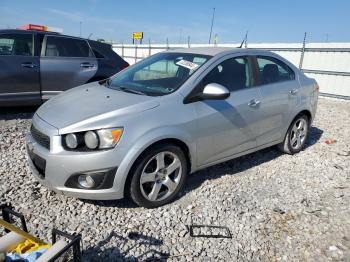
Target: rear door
(279, 95)
(66, 62)
(19, 70)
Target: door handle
(29, 65)
(254, 103)
(293, 91)
(86, 65)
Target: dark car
(36, 65)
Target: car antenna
(244, 40)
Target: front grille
(40, 138)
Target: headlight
(109, 137)
(71, 141)
(93, 139)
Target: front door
(226, 127)
(19, 70)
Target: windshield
(159, 74)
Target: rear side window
(66, 47)
(16, 44)
(233, 73)
(272, 70)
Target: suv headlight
(92, 139)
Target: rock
(291, 208)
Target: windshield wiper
(130, 90)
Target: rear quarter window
(97, 53)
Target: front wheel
(296, 136)
(158, 176)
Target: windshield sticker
(187, 64)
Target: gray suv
(141, 132)
(36, 65)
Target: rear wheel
(296, 136)
(158, 176)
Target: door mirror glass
(215, 91)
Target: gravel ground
(277, 207)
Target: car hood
(87, 105)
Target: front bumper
(53, 167)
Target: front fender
(145, 141)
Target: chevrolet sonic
(142, 131)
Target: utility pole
(302, 52)
(80, 28)
(212, 23)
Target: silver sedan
(141, 132)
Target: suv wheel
(296, 136)
(158, 176)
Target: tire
(296, 136)
(158, 176)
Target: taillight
(124, 65)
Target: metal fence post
(188, 41)
(122, 50)
(167, 44)
(149, 47)
(302, 53)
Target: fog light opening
(86, 181)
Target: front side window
(66, 47)
(16, 44)
(272, 70)
(233, 73)
(160, 74)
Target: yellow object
(137, 35)
(31, 243)
(116, 134)
(28, 246)
(9, 241)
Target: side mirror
(211, 91)
(215, 91)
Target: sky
(265, 20)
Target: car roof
(16, 31)
(22, 31)
(213, 50)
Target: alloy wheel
(298, 134)
(160, 176)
